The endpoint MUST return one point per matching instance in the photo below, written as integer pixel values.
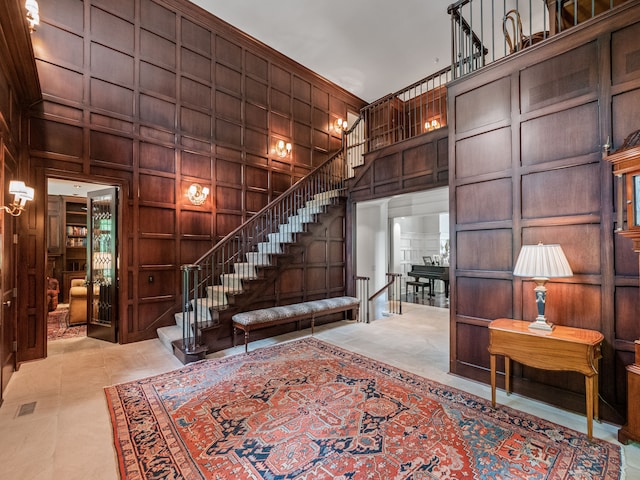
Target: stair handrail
(391, 282)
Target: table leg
(589, 394)
(492, 361)
(507, 375)
(596, 407)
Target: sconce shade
(33, 14)
(542, 262)
(197, 193)
(21, 195)
(283, 149)
(340, 125)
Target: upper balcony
(482, 32)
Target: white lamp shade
(542, 261)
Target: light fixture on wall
(21, 194)
(197, 193)
(542, 262)
(431, 125)
(33, 14)
(283, 149)
(340, 125)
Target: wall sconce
(283, 149)
(21, 194)
(431, 125)
(542, 262)
(197, 193)
(340, 125)
(33, 14)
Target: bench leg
(313, 321)
(235, 332)
(246, 341)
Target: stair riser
(265, 247)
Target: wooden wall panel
(560, 78)
(567, 191)
(157, 157)
(484, 202)
(196, 223)
(154, 251)
(195, 65)
(157, 220)
(483, 154)
(576, 305)
(57, 138)
(579, 242)
(195, 36)
(156, 283)
(625, 114)
(627, 306)
(107, 28)
(568, 133)
(110, 97)
(419, 159)
(157, 112)
(625, 65)
(61, 82)
(625, 259)
(72, 56)
(157, 80)
(153, 188)
(484, 298)
(485, 250)
(483, 106)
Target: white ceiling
(369, 47)
(71, 188)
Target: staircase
(246, 262)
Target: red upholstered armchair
(53, 289)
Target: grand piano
(431, 273)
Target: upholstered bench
(268, 317)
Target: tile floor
(68, 435)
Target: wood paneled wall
(525, 150)
(152, 96)
(18, 88)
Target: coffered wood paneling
(525, 152)
(158, 97)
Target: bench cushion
(295, 310)
(264, 315)
(318, 306)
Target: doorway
(68, 268)
(393, 234)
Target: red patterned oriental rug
(310, 410)
(57, 325)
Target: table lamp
(542, 262)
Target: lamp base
(541, 324)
